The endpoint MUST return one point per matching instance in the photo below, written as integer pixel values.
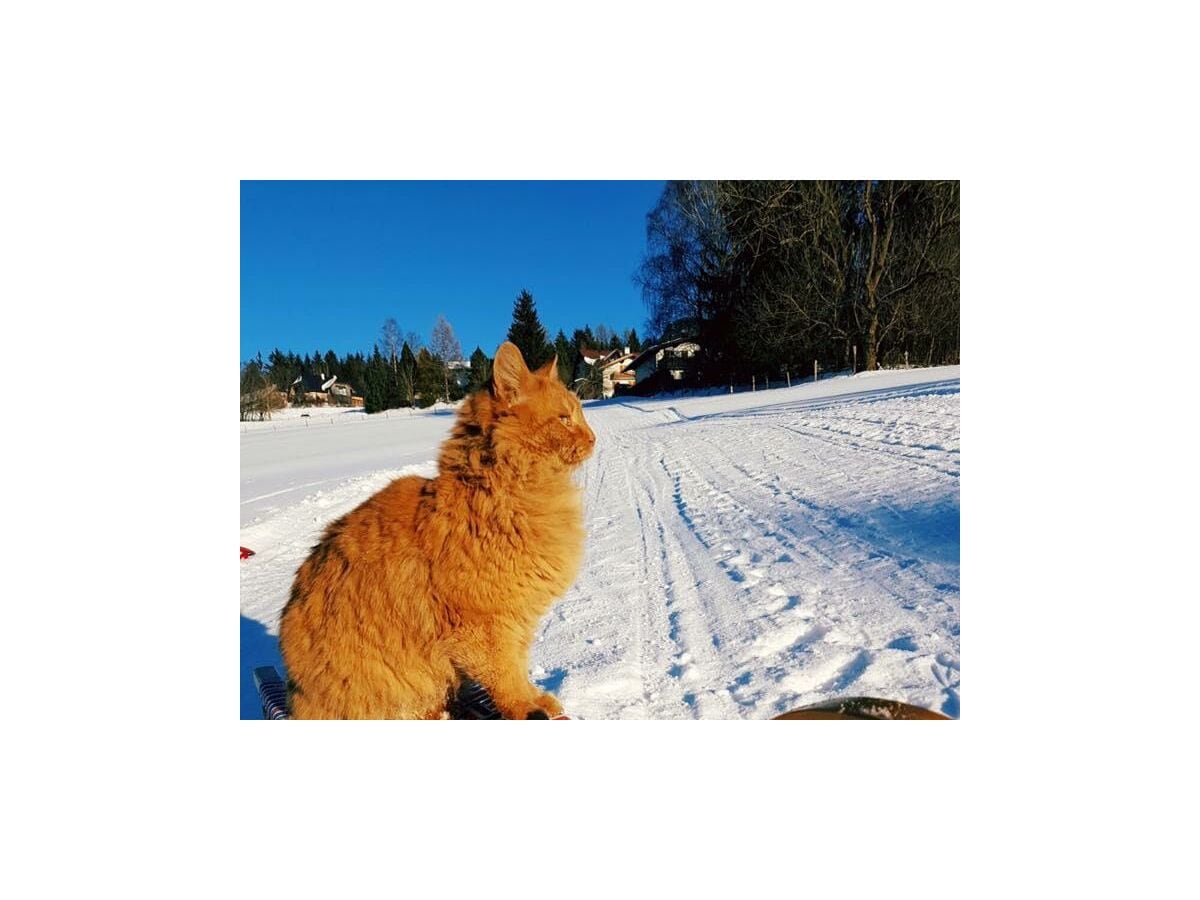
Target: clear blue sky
(324, 263)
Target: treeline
(401, 371)
(772, 275)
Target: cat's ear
(508, 371)
(549, 368)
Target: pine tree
(428, 381)
(406, 377)
(566, 358)
(631, 341)
(591, 386)
(481, 370)
(375, 383)
(352, 372)
(281, 373)
(528, 333)
(583, 339)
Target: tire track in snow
(839, 566)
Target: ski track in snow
(746, 554)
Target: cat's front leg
(516, 698)
(500, 662)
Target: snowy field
(747, 554)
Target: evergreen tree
(481, 370)
(280, 370)
(406, 377)
(583, 339)
(566, 358)
(428, 381)
(631, 341)
(591, 386)
(375, 383)
(352, 372)
(528, 333)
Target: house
(670, 365)
(590, 357)
(616, 370)
(613, 365)
(313, 389)
(460, 372)
(623, 382)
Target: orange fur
(434, 579)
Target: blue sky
(324, 263)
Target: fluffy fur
(434, 579)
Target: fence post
(814, 371)
(731, 384)
(906, 359)
(768, 377)
(788, 373)
(753, 383)
(854, 371)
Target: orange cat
(433, 580)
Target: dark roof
(314, 384)
(649, 351)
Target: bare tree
(259, 396)
(446, 348)
(820, 266)
(391, 340)
(911, 257)
(686, 246)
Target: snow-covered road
(747, 554)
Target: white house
(660, 357)
(614, 365)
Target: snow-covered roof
(313, 383)
(652, 351)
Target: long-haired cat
(434, 580)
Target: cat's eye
(566, 420)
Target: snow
(747, 554)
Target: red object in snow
(247, 553)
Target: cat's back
(386, 518)
(360, 610)
(374, 542)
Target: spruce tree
(566, 358)
(528, 333)
(375, 383)
(428, 381)
(406, 377)
(481, 370)
(583, 339)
